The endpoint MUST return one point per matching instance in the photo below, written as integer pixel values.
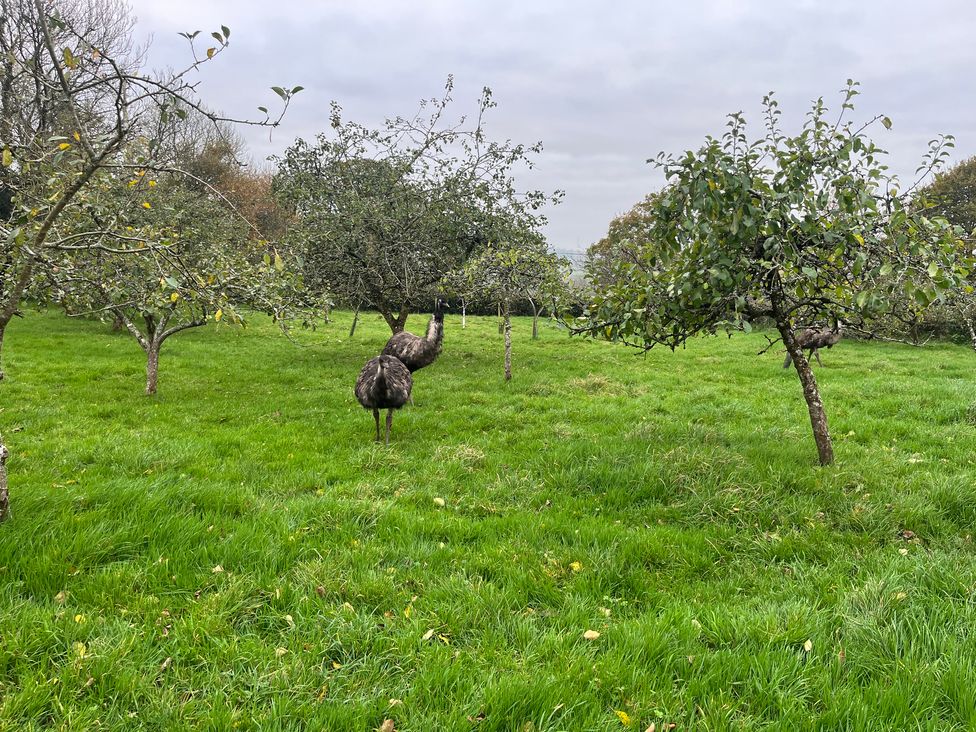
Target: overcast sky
(604, 85)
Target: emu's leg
(816, 354)
(376, 416)
(389, 424)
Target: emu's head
(439, 306)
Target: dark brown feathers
(812, 339)
(416, 352)
(384, 383)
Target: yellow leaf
(79, 618)
(64, 146)
(336, 665)
(174, 297)
(77, 137)
(81, 650)
(146, 204)
(218, 315)
(8, 158)
(808, 645)
(624, 718)
(152, 184)
(591, 634)
(859, 239)
(211, 52)
(576, 566)
(387, 726)
(408, 611)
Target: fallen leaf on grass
(576, 566)
(591, 634)
(440, 502)
(387, 726)
(624, 718)
(428, 635)
(217, 570)
(808, 645)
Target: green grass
(236, 553)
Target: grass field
(237, 553)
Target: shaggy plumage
(812, 339)
(416, 352)
(384, 383)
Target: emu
(416, 352)
(813, 339)
(384, 383)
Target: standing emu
(417, 352)
(384, 383)
(812, 339)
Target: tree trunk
(501, 320)
(355, 319)
(507, 321)
(117, 324)
(325, 313)
(535, 320)
(969, 324)
(464, 314)
(152, 367)
(399, 322)
(818, 418)
(4, 495)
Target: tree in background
(73, 103)
(803, 229)
(626, 234)
(198, 264)
(953, 195)
(383, 215)
(516, 268)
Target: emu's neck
(435, 330)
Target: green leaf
(810, 272)
(263, 109)
(280, 92)
(886, 269)
(886, 122)
(225, 30)
(933, 269)
(296, 89)
(8, 157)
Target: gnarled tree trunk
(811, 393)
(152, 367)
(4, 494)
(398, 323)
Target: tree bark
(811, 393)
(507, 321)
(969, 324)
(535, 320)
(326, 313)
(355, 319)
(4, 495)
(464, 314)
(152, 367)
(398, 323)
(501, 320)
